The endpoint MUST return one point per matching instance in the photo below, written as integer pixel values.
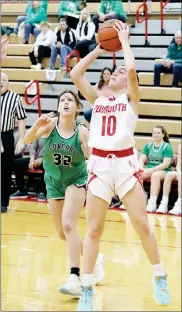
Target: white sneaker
(72, 287)
(99, 272)
(163, 208)
(122, 207)
(176, 209)
(151, 207)
(36, 67)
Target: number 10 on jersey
(108, 125)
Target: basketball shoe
(72, 287)
(161, 290)
(86, 300)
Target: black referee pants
(7, 160)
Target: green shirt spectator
(114, 6)
(43, 4)
(36, 16)
(68, 7)
(156, 155)
(175, 53)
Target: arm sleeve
(62, 8)
(168, 152)
(72, 42)
(20, 111)
(145, 150)
(169, 55)
(39, 17)
(118, 8)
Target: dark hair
(83, 4)
(77, 100)
(101, 81)
(63, 19)
(164, 132)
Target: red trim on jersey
(108, 154)
(93, 176)
(139, 177)
(112, 98)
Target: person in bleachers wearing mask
(70, 9)
(42, 46)
(85, 33)
(109, 10)
(172, 63)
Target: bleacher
(158, 105)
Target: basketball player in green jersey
(65, 152)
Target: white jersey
(113, 124)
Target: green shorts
(56, 189)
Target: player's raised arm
(80, 80)
(42, 127)
(133, 87)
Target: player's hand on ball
(122, 30)
(101, 51)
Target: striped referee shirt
(11, 110)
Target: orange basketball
(108, 37)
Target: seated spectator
(21, 19)
(172, 63)
(35, 15)
(109, 10)
(65, 43)
(102, 88)
(42, 46)
(85, 33)
(169, 178)
(71, 11)
(22, 164)
(158, 155)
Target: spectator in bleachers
(42, 46)
(85, 33)
(156, 159)
(102, 88)
(172, 63)
(109, 10)
(35, 15)
(65, 43)
(169, 178)
(11, 111)
(22, 18)
(70, 9)
(22, 164)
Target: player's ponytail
(164, 132)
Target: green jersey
(64, 159)
(156, 154)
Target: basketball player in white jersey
(113, 167)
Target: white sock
(165, 199)
(87, 280)
(158, 270)
(153, 199)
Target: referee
(11, 111)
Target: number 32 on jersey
(62, 160)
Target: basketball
(108, 37)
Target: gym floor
(34, 262)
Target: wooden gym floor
(34, 262)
